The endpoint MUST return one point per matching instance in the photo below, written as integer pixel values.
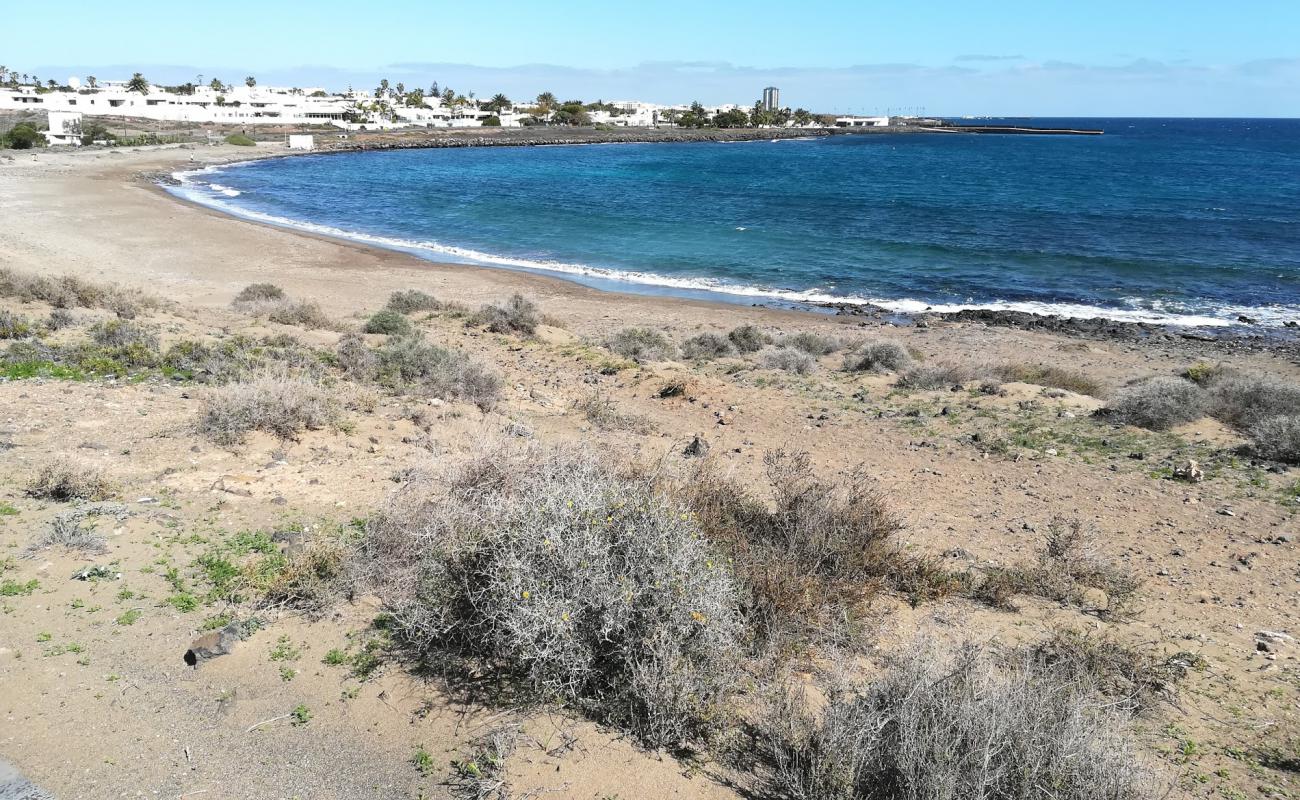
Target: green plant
(411, 300)
(389, 322)
(516, 316)
(300, 715)
(706, 346)
(748, 339)
(12, 588)
(335, 658)
(410, 363)
(641, 345)
(284, 650)
(422, 760)
(7, 509)
(240, 140)
(129, 617)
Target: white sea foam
(1135, 310)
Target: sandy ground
(1218, 559)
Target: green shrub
(389, 322)
(642, 345)
(571, 580)
(1158, 403)
(22, 136)
(491, 122)
(882, 356)
(240, 139)
(355, 358)
(1053, 377)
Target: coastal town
(72, 112)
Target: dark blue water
(1167, 220)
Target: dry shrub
(883, 356)
(355, 358)
(118, 333)
(748, 339)
(68, 530)
(307, 579)
(411, 364)
(302, 313)
(971, 726)
(1068, 566)
(1243, 400)
(809, 562)
(1051, 377)
(68, 291)
(1134, 680)
(1277, 438)
(568, 579)
(1158, 403)
(642, 345)
(603, 413)
(412, 300)
(59, 319)
(389, 322)
(278, 404)
(14, 326)
(706, 346)
(517, 315)
(814, 344)
(933, 377)
(64, 479)
(258, 293)
(788, 359)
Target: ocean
(1178, 221)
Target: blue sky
(1033, 57)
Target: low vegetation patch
(706, 346)
(1158, 403)
(971, 725)
(64, 479)
(788, 359)
(259, 293)
(575, 582)
(270, 301)
(1051, 377)
(281, 405)
(934, 377)
(604, 414)
(240, 140)
(412, 300)
(518, 316)
(642, 345)
(14, 326)
(68, 291)
(412, 364)
(1277, 438)
(814, 344)
(748, 339)
(389, 322)
(884, 356)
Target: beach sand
(1218, 558)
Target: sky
(949, 57)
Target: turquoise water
(1185, 221)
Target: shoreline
(1233, 335)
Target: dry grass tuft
(278, 404)
(883, 356)
(1277, 438)
(935, 377)
(962, 727)
(14, 326)
(68, 291)
(1244, 400)
(1051, 377)
(64, 479)
(604, 414)
(412, 300)
(788, 359)
(748, 339)
(814, 344)
(642, 345)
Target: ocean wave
(1135, 310)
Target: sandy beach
(1216, 558)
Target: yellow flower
(565, 616)
(526, 595)
(698, 617)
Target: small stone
(697, 448)
(212, 645)
(1189, 471)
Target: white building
(862, 122)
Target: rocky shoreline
(537, 137)
(1244, 337)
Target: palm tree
(401, 88)
(498, 103)
(250, 81)
(434, 91)
(382, 89)
(448, 96)
(546, 101)
(215, 85)
(138, 84)
(92, 81)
